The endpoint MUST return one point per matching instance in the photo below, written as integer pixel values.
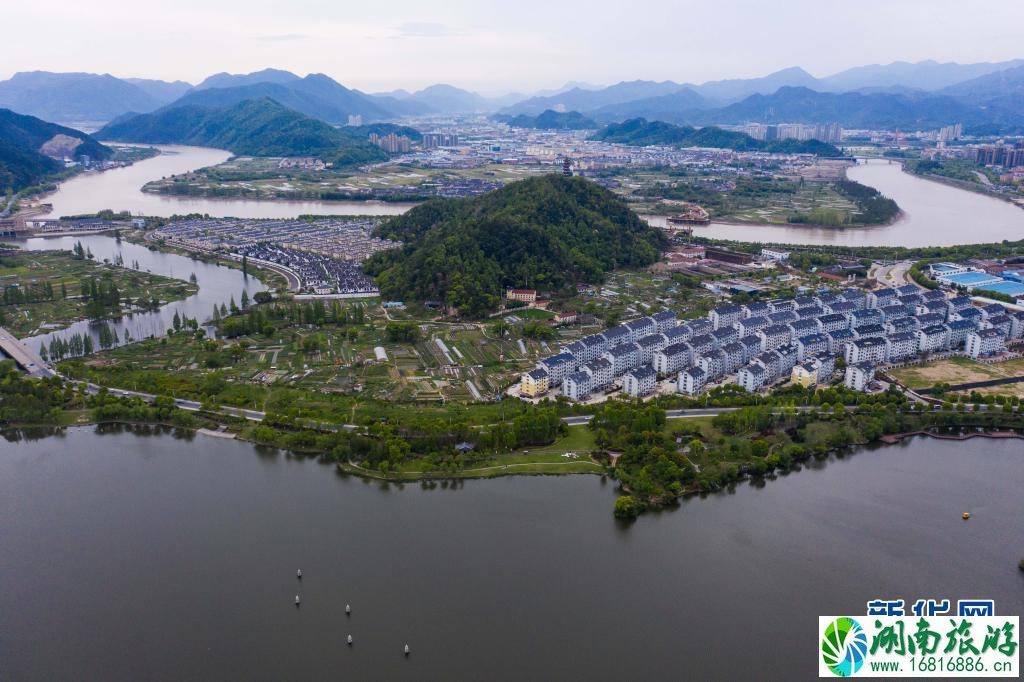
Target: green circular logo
(844, 646)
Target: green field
(737, 196)
(962, 370)
(567, 455)
(262, 178)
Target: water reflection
(28, 434)
(217, 286)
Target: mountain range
(915, 111)
(82, 98)
(31, 149)
(253, 127)
(900, 94)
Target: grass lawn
(958, 370)
(530, 313)
(579, 439)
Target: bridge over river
(25, 358)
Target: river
(217, 285)
(934, 214)
(120, 189)
(126, 557)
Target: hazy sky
(494, 46)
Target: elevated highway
(27, 359)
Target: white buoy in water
(348, 610)
(298, 600)
(350, 640)
(298, 574)
(406, 649)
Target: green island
(46, 290)
(267, 177)
(733, 194)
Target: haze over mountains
(31, 149)
(906, 95)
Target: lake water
(934, 215)
(217, 285)
(120, 190)
(127, 557)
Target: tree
(402, 332)
(627, 507)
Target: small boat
(349, 641)
(348, 610)
(298, 600)
(298, 574)
(406, 649)
(966, 515)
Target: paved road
(669, 414)
(893, 275)
(292, 278)
(27, 359)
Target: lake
(126, 557)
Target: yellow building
(523, 295)
(805, 375)
(534, 383)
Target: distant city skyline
(494, 47)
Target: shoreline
(255, 269)
(215, 426)
(354, 199)
(39, 213)
(977, 188)
(495, 471)
(892, 439)
(813, 226)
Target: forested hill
(552, 120)
(31, 149)
(641, 132)
(257, 127)
(543, 233)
